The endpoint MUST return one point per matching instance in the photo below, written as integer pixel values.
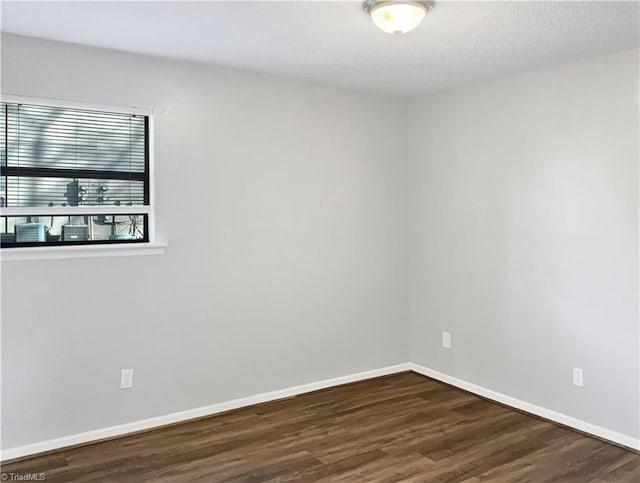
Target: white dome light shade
(396, 17)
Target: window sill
(85, 251)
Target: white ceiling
(336, 43)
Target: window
(71, 176)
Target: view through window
(73, 176)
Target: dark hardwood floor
(404, 427)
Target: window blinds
(57, 157)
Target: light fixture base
(370, 5)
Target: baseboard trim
(560, 418)
(181, 416)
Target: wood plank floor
(403, 427)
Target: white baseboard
(155, 422)
(619, 438)
(122, 429)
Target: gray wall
(524, 237)
(285, 207)
(523, 202)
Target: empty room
(396, 240)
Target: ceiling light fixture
(396, 16)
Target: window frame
(98, 245)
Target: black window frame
(144, 210)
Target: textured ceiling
(336, 43)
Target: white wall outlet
(126, 379)
(577, 377)
(446, 340)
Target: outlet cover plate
(446, 340)
(578, 379)
(126, 379)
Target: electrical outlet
(446, 340)
(126, 379)
(577, 377)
